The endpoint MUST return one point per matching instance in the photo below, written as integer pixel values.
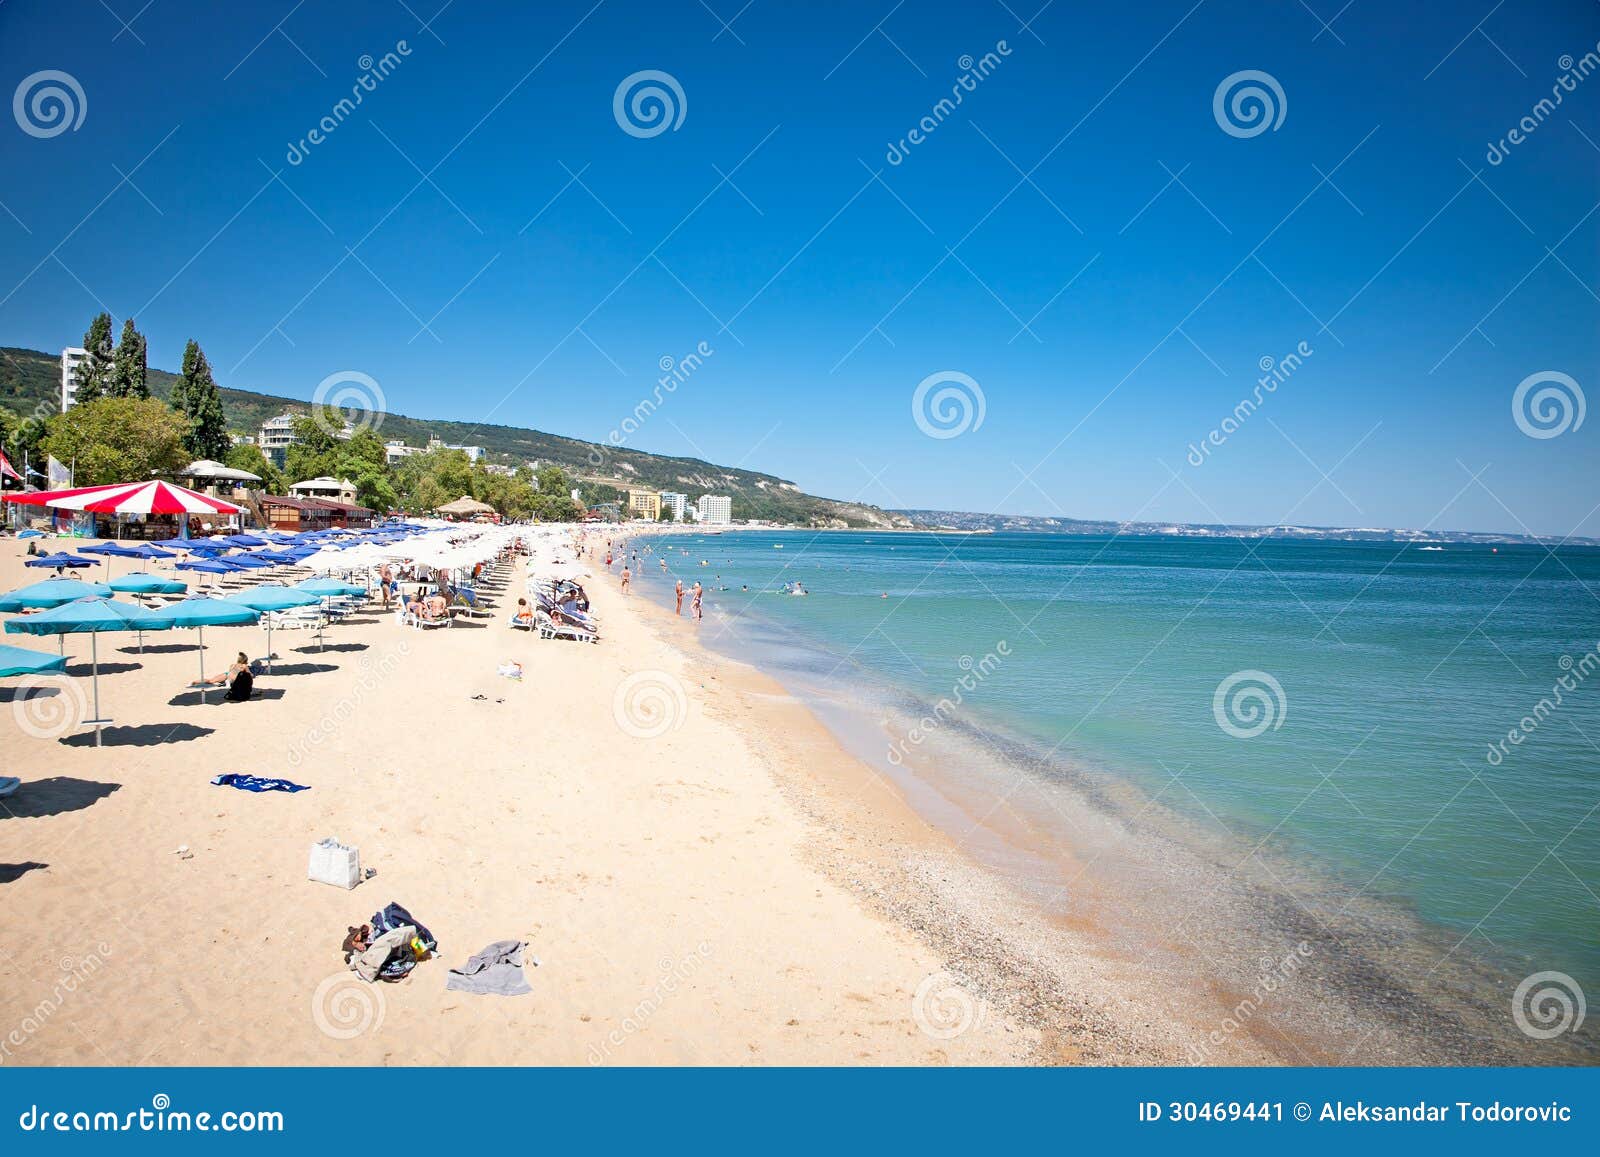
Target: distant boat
(777, 546)
(1430, 548)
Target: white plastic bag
(333, 863)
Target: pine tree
(94, 373)
(128, 373)
(196, 397)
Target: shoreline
(1236, 959)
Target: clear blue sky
(828, 294)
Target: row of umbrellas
(88, 608)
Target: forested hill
(30, 383)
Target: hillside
(29, 383)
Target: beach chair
(423, 624)
(550, 629)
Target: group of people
(696, 595)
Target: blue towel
(257, 783)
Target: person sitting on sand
(237, 677)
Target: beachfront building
(71, 358)
(644, 504)
(297, 514)
(715, 509)
(327, 489)
(674, 504)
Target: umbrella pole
(203, 688)
(94, 652)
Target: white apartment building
(396, 451)
(71, 358)
(676, 503)
(276, 436)
(473, 453)
(715, 509)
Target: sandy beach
(674, 888)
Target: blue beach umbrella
(111, 548)
(209, 566)
(21, 661)
(201, 612)
(268, 597)
(247, 562)
(90, 617)
(60, 558)
(51, 593)
(328, 587)
(139, 583)
(146, 550)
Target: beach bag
(333, 863)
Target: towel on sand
(496, 971)
(257, 783)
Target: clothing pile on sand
(389, 947)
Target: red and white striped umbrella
(128, 498)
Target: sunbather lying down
(524, 615)
(432, 607)
(238, 679)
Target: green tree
(248, 456)
(554, 481)
(118, 440)
(316, 448)
(129, 365)
(196, 397)
(93, 374)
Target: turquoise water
(1398, 669)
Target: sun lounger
(423, 623)
(550, 629)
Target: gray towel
(496, 971)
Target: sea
(1366, 741)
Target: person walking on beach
(678, 610)
(385, 577)
(626, 575)
(695, 606)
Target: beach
(703, 871)
(674, 888)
